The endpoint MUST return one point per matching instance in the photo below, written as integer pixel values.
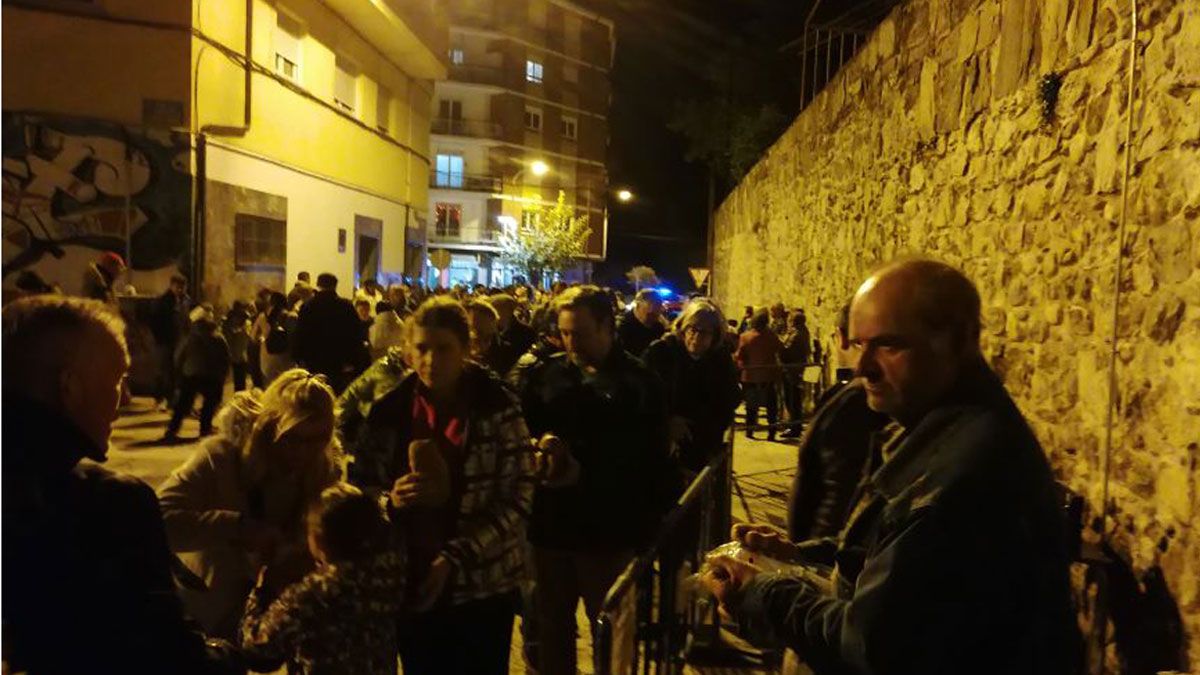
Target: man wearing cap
(100, 278)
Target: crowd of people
(409, 470)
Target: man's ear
(70, 387)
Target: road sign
(699, 275)
(439, 258)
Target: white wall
(317, 208)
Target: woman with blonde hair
(239, 502)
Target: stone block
(1108, 160)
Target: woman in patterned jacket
(450, 451)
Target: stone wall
(932, 141)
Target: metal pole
(828, 53)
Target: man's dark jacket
(833, 455)
(87, 572)
(953, 561)
(328, 338)
(169, 319)
(635, 336)
(615, 422)
(703, 391)
(518, 338)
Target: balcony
(479, 74)
(473, 128)
(466, 236)
(467, 182)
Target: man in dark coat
(87, 572)
(600, 412)
(168, 324)
(328, 338)
(954, 558)
(643, 324)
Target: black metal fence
(648, 614)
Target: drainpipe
(199, 219)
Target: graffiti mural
(73, 187)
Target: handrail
(655, 638)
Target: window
(448, 220)
(345, 85)
(450, 109)
(383, 109)
(457, 57)
(288, 38)
(533, 72)
(569, 127)
(570, 73)
(533, 118)
(528, 218)
(259, 242)
(448, 171)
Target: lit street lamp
(624, 196)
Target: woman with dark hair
(451, 452)
(758, 358)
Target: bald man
(954, 558)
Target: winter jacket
(169, 319)
(953, 561)
(328, 338)
(703, 391)
(834, 453)
(204, 354)
(634, 336)
(386, 333)
(758, 356)
(338, 620)
(487, 548)
(615, 424)
(204, 503)
(355, 403)
(236, 331)
(87, 572)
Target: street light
(624, 196)
(539, 168)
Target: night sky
(667, 51)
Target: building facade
(521, 117)
(237, 141)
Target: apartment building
(236, 141)
(522, 116)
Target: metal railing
(647, 618)
(464, 181)
(459, 127)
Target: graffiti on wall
(73, 187)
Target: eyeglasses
(695, 331)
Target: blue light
(664, 292)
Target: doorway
(368, 248)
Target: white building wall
(317, 208)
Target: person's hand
(260, 538)
(725, 577)
(680, 429)
(414, 489)
(434, 585)
(765, 539)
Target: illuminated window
(448, 171)
(457, 57)
(448, 220)
(533, 118)
(533, 72)
(287, 41)
(259, 242)
(570, 127)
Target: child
(203, 363)
(340, 618)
